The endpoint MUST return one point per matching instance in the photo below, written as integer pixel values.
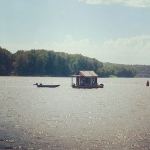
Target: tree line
(117, 70)
(49, 63)
(143, 71)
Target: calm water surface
(116, 117)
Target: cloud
(129, 45)
(132, 3)
(133, 50)
(69, 45)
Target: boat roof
(85, 74)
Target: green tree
(5, 62)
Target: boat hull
(88, 86)
(46, 86)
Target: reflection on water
(115, 117)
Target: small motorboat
(49, 86)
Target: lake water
(116, 117)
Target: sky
(115, 31)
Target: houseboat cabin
(86, 79)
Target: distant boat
(48, 86)
(86, 79)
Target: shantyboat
(86, 79)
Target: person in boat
(147, 83)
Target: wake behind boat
(49, 86)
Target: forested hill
(44, 63)
(50, 63)
(141, 70)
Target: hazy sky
(116, 31)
